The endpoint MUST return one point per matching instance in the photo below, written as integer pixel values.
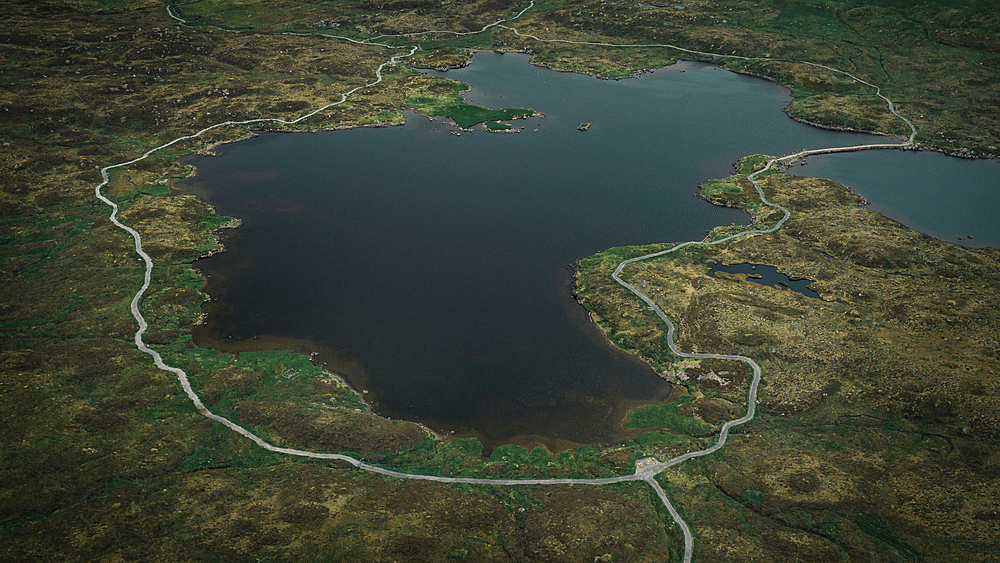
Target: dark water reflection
(431, 267)
(764, 274)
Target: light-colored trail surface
(644, 472)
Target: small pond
(767, 275)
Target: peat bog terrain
(875, 433)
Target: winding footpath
(646, 470)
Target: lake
(434, 270)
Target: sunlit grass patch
(440, 98)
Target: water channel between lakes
(432, 269)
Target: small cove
(433, 269)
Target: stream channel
(433, 269)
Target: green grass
(713, 189)
(516, 455)
(667, 417)
(464, 115)
(750, 164)
(881, 531)
(660, 438)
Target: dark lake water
(431, 268)
(769, 276)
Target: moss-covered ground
(877, 435)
